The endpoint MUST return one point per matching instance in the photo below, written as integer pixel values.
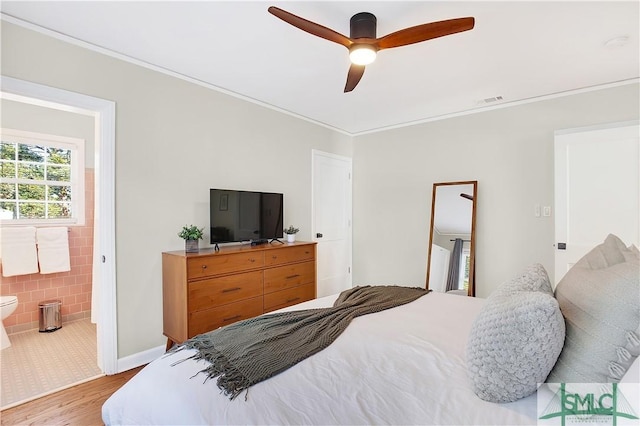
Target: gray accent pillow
(600, 300)
(516, 339)
(533, 278)
(632, 254)
(611, 252)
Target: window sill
(39, 222)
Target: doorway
(104, 264)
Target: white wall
(32, 118)
(508, 151)
(174, 141)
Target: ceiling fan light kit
(363, 33)
(362, 54)
(363, 43)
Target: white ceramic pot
(291, 238)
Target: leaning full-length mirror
(450, 264)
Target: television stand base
(216, 247)
(259, 242)
(275, 239)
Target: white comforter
(401, 366)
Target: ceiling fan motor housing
(363, 25)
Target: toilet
(8, 305)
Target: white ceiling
(453, 213)
(517, 50)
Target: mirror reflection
(450, 266)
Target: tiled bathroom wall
(73, 288)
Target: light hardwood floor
(79, 405)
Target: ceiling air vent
(489, 100)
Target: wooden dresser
(206, 290)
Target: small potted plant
(291, 234)
(191, 234)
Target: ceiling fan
(363, 44)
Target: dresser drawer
(214, 292)
(282, 277)
(289, 254)
(288, 297)
(205, 266)
(210, 319)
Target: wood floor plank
(78, 405)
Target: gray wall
(508, 151)
(174, 141)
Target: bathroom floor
(39, 363)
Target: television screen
(244, 215)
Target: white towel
(19, 256)
(53, 250)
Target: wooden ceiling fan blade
(426, 32)
(311, 27)
(353, 77)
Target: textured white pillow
(516, 339)
(600, 300)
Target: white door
(331, 221)
(439, 268)
(597, 190)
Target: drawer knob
(292, 276)
(228, 290)
(204, 266)
(293, 300)
(252, 260)
(274, 257)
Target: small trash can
(50, 318)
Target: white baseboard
(140, 358)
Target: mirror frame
(472, 250)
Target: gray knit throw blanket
(253, 350)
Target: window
(41, 178)
(465, 263)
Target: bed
(399, 366)
(439, 359)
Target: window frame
(76, 146)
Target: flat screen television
(245, 215)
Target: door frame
(317, 153)
(104, 113)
